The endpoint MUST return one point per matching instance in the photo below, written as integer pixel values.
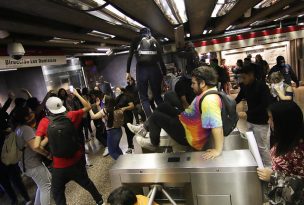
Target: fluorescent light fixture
(188, 35)
(109, 52)
(101, 34)
(180, 10)
(90, 54)
(301, 24)
(123, 17)
(166, 39)
(165, 8)
(230, 27)
(205, 31)
(257, 23)
(301, 15)
(63, 40)
(210, 31)
(3, 34)
(99, 2)
(238, 31)
(8, 69)
(265, 3)
(121, 52)
(103, 49)
(216, 10)
(281, 18)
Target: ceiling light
(257, 23)
(9, 69)
(301, 24)
(301, 15)
(205, 31)
(123, 17)
(281, 18)
(99, 2)
(165, 8)
(222, 7)
(238, 31)
(90, 54)
(286, 7)
(180, 10)
(166, 39)
(103, 49)
(265, 3)
(188, 35)
(101, 34)
(210, 31)
(121, 52)
(63, 40)
(230, 27)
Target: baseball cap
(55, 105)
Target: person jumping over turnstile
(148, 55)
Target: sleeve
(131, 53)
(211, 112)
(240, 96)
(76, 116)
(294, 76)
(42, 128)
(180, 89)
(6, 105)
(28, 133)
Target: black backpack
(147, 49)
(63, 137)
(229, 114)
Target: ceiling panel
(51, 10)
(199, 14)
(236, 12)
(146, 12)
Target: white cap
(55, 106)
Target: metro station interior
(145, 102)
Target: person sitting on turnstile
(193, 127)
(286, 178)
(124, 196)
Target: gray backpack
(11, 153)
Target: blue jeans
(149, 75)
(114, 137)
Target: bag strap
(208, 93)
(23, 159)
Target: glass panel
(222, 7)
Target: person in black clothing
(132, 90)
(286, 70)
(257, 95)
(11, 173)
(124, 101)
(263, 66)
(223, 76)
(148, 54)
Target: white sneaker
(144, 142)
(135, 128)
(105, 152)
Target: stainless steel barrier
(230, 179)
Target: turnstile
(230, 179)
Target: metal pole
(168, 197)
(150, 192)
(152, 195)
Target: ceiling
(107, 26)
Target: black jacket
(287, 72)
(258, 99)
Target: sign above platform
(6, 62)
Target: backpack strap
(208, 93)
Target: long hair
(22, 116)
(288, 125)
(109, 107)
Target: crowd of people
(51, 134)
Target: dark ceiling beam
(41, 30)
(148, 13)
(296, 8)
(54, 11)
(48, 44)
(234, 14)
(261, 14)
(198, 14)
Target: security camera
(15, 50)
